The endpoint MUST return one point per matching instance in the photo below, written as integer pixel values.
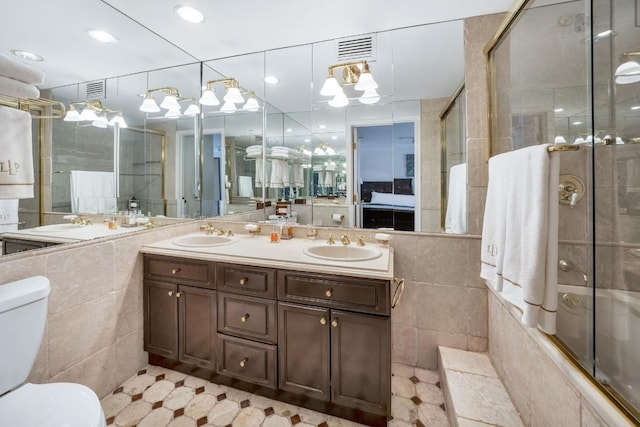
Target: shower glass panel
(554, 81)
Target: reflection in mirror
(454, 164)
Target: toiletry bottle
(275, 233)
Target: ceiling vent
(357, 49)
(95, 90)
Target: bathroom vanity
(302, 330)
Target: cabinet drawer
(247, 360)
(247, 317)
(254, 281)
(364, 295)
(179, 271)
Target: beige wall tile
(405, 249)
(26, 265)
(477, 344)
(428, 342)
(77, 333)
(442, 260)
(442, 308)
(481, 28)
(476, 312)
(130, 357)
(79, 275)
(403, 344)
(40, 371)
(405, 312)
(97, 372)
(128, 310)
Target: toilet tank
(23, 313)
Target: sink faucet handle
(331, 241)
(345, 240)
(360, 240)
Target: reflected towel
(298, 175)
(244, 186)
(18, 89)
(279, 174)
(92, 192)
(456, 217)
(16, 154)
(17, 70)
(9, 212)
(530, 272)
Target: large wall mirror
(372, 163)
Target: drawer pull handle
(178, 294)
(398, 293)
(244, 318)
(175, 271)
(323, 320)
(244, 281)
(334, 323)
(170, 293)
(329, 292)
(243, 362)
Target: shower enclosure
(567, 73)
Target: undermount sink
(342, 252)
(56, 228)
(203, 240)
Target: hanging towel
(492, 246)
(279, 174)
(18, 89)
(244, 186)
(16, 154)
(9, 214)
(298, 175)
(530, 262)
(456, 216)
(92, 192)
(17, 70)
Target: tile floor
(158, 397)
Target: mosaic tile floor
(158, 397)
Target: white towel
(9, 212)
(18, 89)
(92, 192)
(244, 186)
(531, 235)
(16, 154)
(298, 175)
(492, 246)
(17, 70)
(279, 174)
(456, 216)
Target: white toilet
(23, 313)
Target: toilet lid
(51, 405)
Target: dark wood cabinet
(361, 361)
(179, 317)
(13, 246)
(303, 350)
(317, 340)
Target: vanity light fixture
(209, 97)
(173, 113)
(629, 70)
(88, 114)
(233, 95)
(170, 102)
(102, 36)
(355, 73)
(228, 107)
(72, 114)
(101, 122)
(26, 55)
(560, 140)
(252, 103)
(94, 112)
(189, 14)
(118, 120)
(192, 109)
(149, 104)
(324, 149)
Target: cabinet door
(161, 319)
(197, 326)
(303, 350)
(361, 361)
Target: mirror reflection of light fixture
(88, 115)
(209, 98)
(324, 149)
(192, 110)
(629, 70)
(560, 140)
(233, 95)
(353, 73)
(72, 114)
(100, 122)
(228, 107)
(170, 102)
(173, 113)
(118, 120)
(149, 105)
(252, 103)
(94, 112)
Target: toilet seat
(51, 405)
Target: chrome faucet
(345, 240)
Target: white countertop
(257, 250)
(67, 233)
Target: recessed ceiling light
(559, 110)
(334, 137)
(189, 14)
(604, 34)
(307, 140)
(576, 123)
(102, 36)
(272, 80)
(322, 126)
(289, 130)
(26, 55)
(636, 107)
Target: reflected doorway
(385, 176)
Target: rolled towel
(18, 89)
(17, 70)
(16, 154)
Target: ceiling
(152, 36)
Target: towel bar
(563, 148)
